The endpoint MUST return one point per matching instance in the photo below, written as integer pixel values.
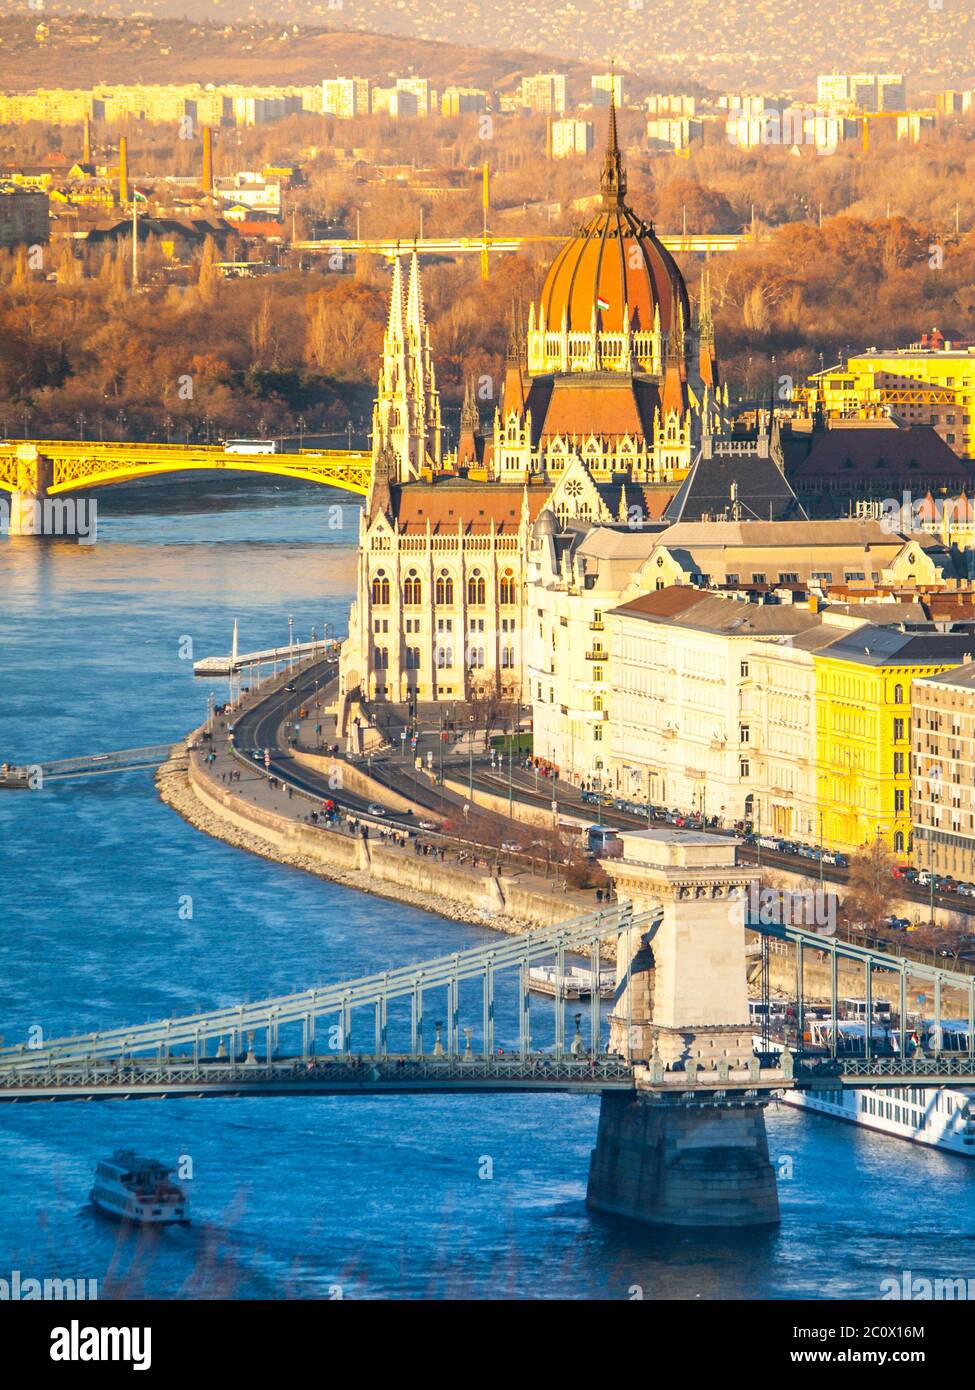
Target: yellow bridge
(35, 469)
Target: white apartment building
(713, 707)
(863, 91)
(572, 138)
(675, 133)
(573, 578)
(606, 86)
(346, 97)
(545, 92)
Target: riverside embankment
(254, 816)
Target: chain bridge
(682, 1076)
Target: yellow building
(863, 730)
(919, 385)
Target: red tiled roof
(472, 505)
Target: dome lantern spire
(612, 182)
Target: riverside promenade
(276, 812)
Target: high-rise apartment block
(545, 92)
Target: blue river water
(314, 1196)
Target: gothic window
(444, 588)
(508, 588)
(413, 658)
(380, 588)
(475, 658)
(476, 590)
(898, 694)
(381, 659)
(507, 658)
(412, 589)
(445, 657)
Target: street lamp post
(511, 744)
(291, 643)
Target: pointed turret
(415, 310)
(708, 363)
(470, 429)
(612, 182)
(514, 395)
(396, 324)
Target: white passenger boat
(132, 1188)
(939, 1116)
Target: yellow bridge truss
(64, 466)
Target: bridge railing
(539, 1070)
(509, 960)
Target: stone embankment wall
(451, 890)
(850, 982)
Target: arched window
(413, 658)
(382, 659)
(444, 588)
(380, 588)
(411, 589)
(898, 694)
(445, 657)
(508, 588)
(476, 591)
(899, 842)
(507, 658)
(475, 658)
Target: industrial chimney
(86, 152)
(207, 160)
(123, 170)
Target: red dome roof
(615, 261)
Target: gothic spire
(415, 309)
(612, 183)
(396, 302)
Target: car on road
(291, 687)
(375, 809)
(427, 824)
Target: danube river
(308, 1197)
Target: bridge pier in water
(34, 475)
(697, 1157)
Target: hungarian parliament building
(608, 391)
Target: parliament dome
(613, 263)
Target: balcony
(597, 654)
(597, 625)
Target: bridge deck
(79, 464)
(541, 1073)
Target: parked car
(375, 809)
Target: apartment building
(545, 93)
(943, 772)
(24, 217)
(346, 97)
(572, 138)
(922, 386)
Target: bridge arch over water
(33, 471)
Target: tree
(868, 888)
(209, 275)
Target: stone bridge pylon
(696, 1155)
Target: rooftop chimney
(207, 160)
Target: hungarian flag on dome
(602, 304)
